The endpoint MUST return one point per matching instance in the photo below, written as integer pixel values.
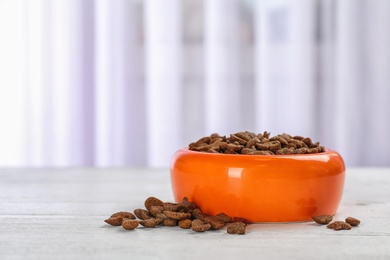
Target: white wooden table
(51, 214)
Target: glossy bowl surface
(260, 188)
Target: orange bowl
(260, 188)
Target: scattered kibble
(114, 221)
(142, 214)
(149, 223)
(336, 225)
(256, 144)
(156, 210)
(153, 201)
(214, 222)
(168, 222)
(123, 214)
(224, 218)
(177, 215)
(352, 221)
(171, 206)
(196, 213)
(236, 228)
(323, 219)
(185, 223)
(199, 226)
(339, 225)
(129, 224)
(185, 214)
(117, 218)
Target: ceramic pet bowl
(260, 188)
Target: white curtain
(127, 82)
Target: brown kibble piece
(142, 214)
(214, 222)
(245, 135)
(199, 226)
(307, 141)
(322, 219)
(161, 216)
(313, 150)
(158, 221)
(185, 223)
(114, 221)
(152, 201)
(169, 222)
(224, 218)
(352, 221)
(236, 228)
(171, 206)
(123, 214)
(297, 142)
(117, 218)
(177, 215)
(187, 205)
(231, 148)
(149, 223)
(129, 224)
(300, 151)
(196, 213)
(285, 151)
(279, 138)
(240, 140)
(339, 225)
(155, 210)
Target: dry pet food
(336, 225)
(185, 223)
(117, 218)
(236, 228)
(149, 223)
(142, 214)
(177, 215)
(114, 221)
(323, 219)
(153, 201)
(156, 210)
(352, 221)
(214, 222)
(224, 218)
(168, 222)
(256, 144)
(123, 214)
(339, 225)
(186, 215)
(129, 224)
(199, 226)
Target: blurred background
(125, 83)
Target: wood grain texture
(46, 214)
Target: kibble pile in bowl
(256, 144)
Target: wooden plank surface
(51, 213)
